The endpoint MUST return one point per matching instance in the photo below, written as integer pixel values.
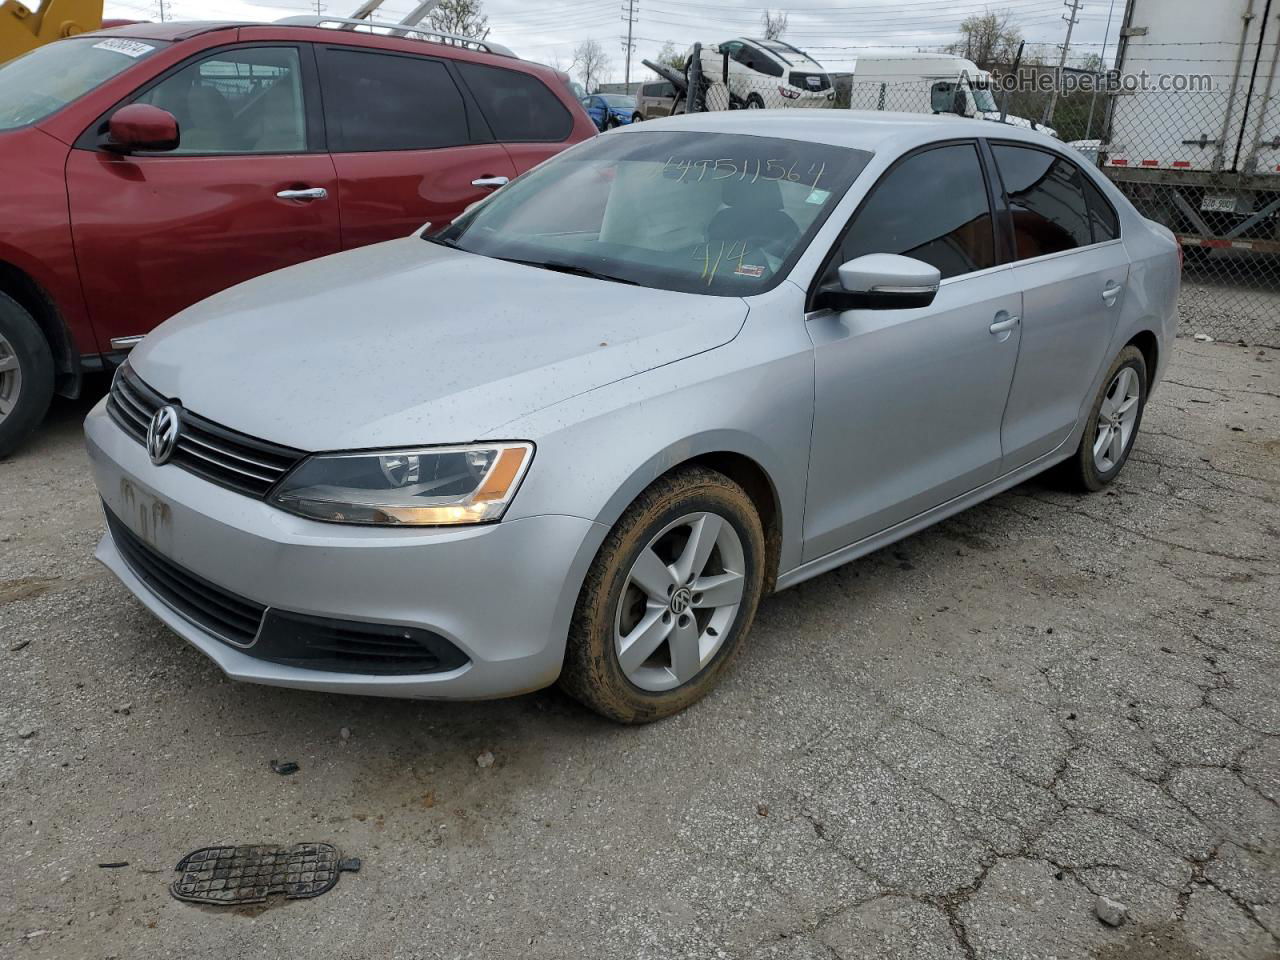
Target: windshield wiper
(443, 241)
(571, 268)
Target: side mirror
(881, 281)
(140, 126)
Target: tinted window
(518, 106)
(932, 206)
(1046, 199)
(376, 101)
(240, 101)
(1102, 216)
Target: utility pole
(1072, 19)
(162, 10)
(628, 44)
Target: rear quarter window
(518, 106)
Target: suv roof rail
(407, 31)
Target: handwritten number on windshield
(726, 168)
(712, 255)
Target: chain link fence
(1203, 162)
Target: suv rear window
(517, 105)
(48, 78)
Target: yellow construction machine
(23, 29)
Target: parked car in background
(746, 73)
(146, 167)
(582, 431)
(656, 100)
(609, 110)
(927, 83)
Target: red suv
(146, 167)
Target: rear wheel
(1113, 423)
(754, 102)
(668, 599)
(26, 374)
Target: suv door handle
(306, 193)
(1110, 292)
(1004, 323)
(491, 182)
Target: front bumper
(502, 593)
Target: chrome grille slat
(209, 450)
(185, 444)
(223, 451)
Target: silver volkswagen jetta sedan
(581, 432)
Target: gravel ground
(950, 749)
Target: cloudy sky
(831, 31)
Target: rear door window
(932, 206)
(517, 106)
(378, 101)
(1102, 215)
(1046, 201)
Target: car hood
(407, 343)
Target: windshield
(711, 213)
(48, 78)
(982, 98)
(616, 100)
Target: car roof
(172, 29)
(872, 130)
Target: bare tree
(988, 38)
(672, 57)
(466, 18)
(592, 64)
(773, 24)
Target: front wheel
(668, 599)
(1113, 423)
(26, 374)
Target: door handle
(491, 182)
(306, 193)
(1110, 292)
(1004, 323)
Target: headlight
(424, 487)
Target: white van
(927, 83)
(751, 74)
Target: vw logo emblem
(681, 601)
(162, 434)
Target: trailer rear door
(1179, 129)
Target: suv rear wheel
(26, 374)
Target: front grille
(217, 611)
(801, 80)
(226, 457)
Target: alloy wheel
(679, 601)
(1117, 418)
(10, 378)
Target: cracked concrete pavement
(946, 750)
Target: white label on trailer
(1219, 203)
(130, 48)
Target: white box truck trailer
(1206, 162)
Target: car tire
(755, 102)
(663, 522)
(26, 374)
(610, 123)
(636, 118)
(1112, 428)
